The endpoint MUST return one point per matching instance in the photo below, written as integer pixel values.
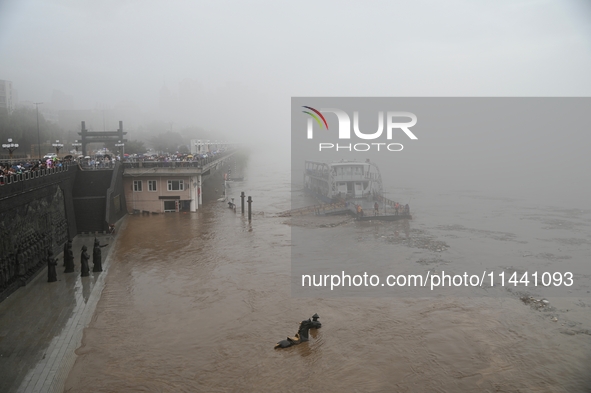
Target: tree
(135, 147)
(183, 149)
(21, 126)
(167, 142)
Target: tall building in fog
(61, 101)
(7, 101)
(191, 100)
(165, 99)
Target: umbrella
(87, 157)
(68, 157)
(190, 156)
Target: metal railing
(199, 163)
(6, 180)
(315, 209)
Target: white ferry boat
(343, 180)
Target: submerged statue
(97, 265)
(84, 257)
(66, 245)
(69, 259)
(65, 252)
(51, 264)
(301, 336)
(315, 322)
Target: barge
(356, 185)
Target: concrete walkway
(41, 324)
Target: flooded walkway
(41, 324)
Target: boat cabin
(346, 179)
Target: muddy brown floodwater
(195, 303)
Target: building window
(151, 185)
(137, 185)
(175, 185)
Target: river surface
(195, 302)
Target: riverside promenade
(41, 324)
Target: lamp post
(122, 145)
(76, 144)
(38, 137)
(11, 147)
(57, 146)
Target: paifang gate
(101, 136)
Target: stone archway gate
(100, 136)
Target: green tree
(135, 147)
(183, 149)
(21, 126)
(167, 142)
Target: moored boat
(344, 180)
(356, 185)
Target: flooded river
(195, 303)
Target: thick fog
(230, 68)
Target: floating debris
(536, 304)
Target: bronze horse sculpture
(302, 334)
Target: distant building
(191, 102)
(165, 99)
(199, 146)
(193, 146)
(7, 102)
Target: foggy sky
(251, 57)
(110, 51)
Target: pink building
(160, 190)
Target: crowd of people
(16, 167)
(20, 167)
(99, 162)
(176, 157)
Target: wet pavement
(41, 324)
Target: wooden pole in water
(249, 208)
(242, 202)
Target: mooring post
(242, 202)
(249, 208)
